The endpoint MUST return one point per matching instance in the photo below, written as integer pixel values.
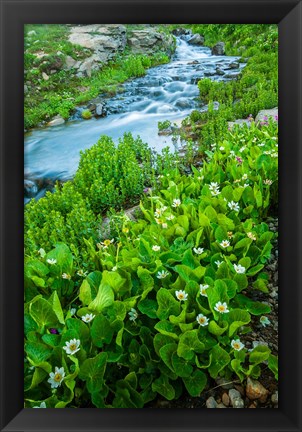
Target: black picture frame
(16, 13)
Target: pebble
(255, 390)
(211, 403)
(225, 399)
(235, 398)
(274, 398)
(221, 406)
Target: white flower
(181, 295)
(221, 307)
(170, 217)
(232, 153)
(88, 317)
(162, 274)
(200, 178)
(261, 145)
(82, 273)
(203, 289)
(156, 248)
(164, 225)
(233, 206)
(242, 149)
(42, 253)
(115, 267)
(215, 192)
(51, 261)
(198, 251)
(237, 345)
(213, 186)
(225, 243)
(66, 276)
(221, 148)
(251, 236)
(56, 377)
(157, 213)
(202, 320)
(264, 321)
(254, 139)
(42, 405)
(176, 203)
(213, 145)
(72, 346)
(245, 185)
(133, 314)
(218, 263)
(72, 311)
(244, 177)
(239, 269)
(268, 182)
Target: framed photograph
(151, 258)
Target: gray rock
(221, 406)
(240, 122)
(150, 41)
(234, 65)
(100, 110)
(218, 49)
(274, 398)
(183, 103)
(45, 76)
(70, 63)
(232, 75)
(197, 39)
(220, 71)
(225, 384)
(181, 32)
(56, 121)
(211, 403)
(236, 399)
(30, 188)
(264, 115)
(25, 89)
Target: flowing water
(166, 92)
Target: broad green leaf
(217, 330)
(162, 386)
(85, 293)
(273, 364)
(241, 281)
(148, 307)
(92, 371)
(126, 396)
(189, 344)
(255, 308)
(237, 368)
(259, 354)
(254, 270)
(236, 319)
(161, 340)
(195, 383)
(167, 304)
(166, 354)
(56, 307)
(42, 312)
(61, 253)
(104, 297)
(168, 329)
(217, 293)
(101, 331)
(182, 367)
(37, 352)
(219, 360)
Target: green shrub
(86, 114)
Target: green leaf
(255, 308)
(56, 307)
(61, 253)
(51, 339)
(189, 344)
(166, 352)
(42, 312)
(241, 281)
(217, 293)
(148, 307)
(196, 383)
(37, 352)
(273, 364)
(219, 360)
(254, 270)
(104, 298)
(237, 318)
(85, 293)
(162, 386)
(92, 371)
(168, 329)
(167, 304)
(161, 340)
(237, 368)
(182, 367)
(259, 354)
(215, 329)
(126, 396)
(101, 331)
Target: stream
(166, 92)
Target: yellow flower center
(72, 347)
(180, 296)
(236, 345)
(201, 320)
(125, 230)
(107, 242)
(58, 377)
(221, 308)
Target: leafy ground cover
(160, 306)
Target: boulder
(100, 110)
(218, 49)
(183, 103)
(264, 115)
(45, 76)
(196, 39)
(240, 122)
(56, 121)
(30, 188)
(255, 390)
(181, 32)
(150, 41)
(233, 65)
(69, 62)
